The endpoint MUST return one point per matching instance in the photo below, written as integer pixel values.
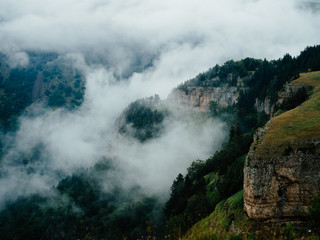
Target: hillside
(279, 185)
(282, 167)
(299, 124)
(48, 78)
(279, 84)
(210, 194)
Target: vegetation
(229, 73)
(142, 119)
(195, 196)
(298, 124)
(15, 92)
(258, 79)
(314, 212)
(215, 177)
(79, 208)
(210, 194)
(229, 221)
(218, 223)
(48, 78)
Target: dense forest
(79, 207)
(48, 78)
(143, 119)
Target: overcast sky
(168, 42)
(181, 38)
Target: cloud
(154, 165)
(51, 144)
(129, 36)
(151, 47)
(18, 59)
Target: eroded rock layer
(280, 185)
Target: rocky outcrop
(264, 106)
(199, 98)
(292, 94)
(39, 88)
(279, 186)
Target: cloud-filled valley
(130, 50)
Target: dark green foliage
(221, 112)
(195, 196)
(236, 147)
(81, 209)
(145, 120)
(15, 95)
(263, 79)
(314, 212)
(78, 95)
(309, 59)
(56, 100)
(269, 78)
(68, 91)
(46, 78)
(142, 116)
(77, 84)
(295, 100)
(225, 74)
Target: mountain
(264, 176)
(48, 78)
(280, 170)
(280, 178)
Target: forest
(79, 207)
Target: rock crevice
(281, 187)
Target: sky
(179, 39)
(150, 46)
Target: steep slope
(215, 89)
(282, 170)
(47, 78)
(225, 221)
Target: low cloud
(51, 144)
(129, 51)
(189, 36)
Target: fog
(130, 50)
(180, 38)
(57, 143)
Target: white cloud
(18, 59)
(125, 32)
(180, 38)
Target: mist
(60, 142)
(128, 51)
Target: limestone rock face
(289, 90)
(199, 98)
(280, 186)
(264, 106)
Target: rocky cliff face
(280, 187)
(264, 106)
(199, 98)
(282, 169)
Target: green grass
(217, 224)
(229, 221)
(296, 125)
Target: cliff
(282, 169)
(199, 99)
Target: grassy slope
(229, 221)
(298, 124)
(228, 215)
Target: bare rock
(199, 98)
(278, 187)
